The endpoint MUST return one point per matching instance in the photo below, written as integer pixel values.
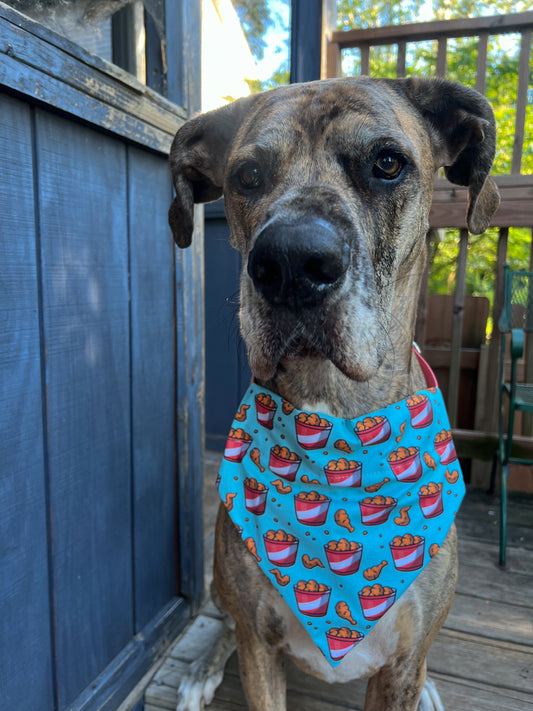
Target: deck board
(483, 656)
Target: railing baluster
(441, 57)
(400, 59)
(457, 333)
(481, 64)
(365, 59)
(521, 101)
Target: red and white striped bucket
(312, 513)
(312, 436)
(446, 451)
(281, 553)
(236, 449)
(375, 435)
(408, 469)
(313, 604)
(374, 514)
(431, 504)
(421, 413)
(340, 646)
(254, 500)
(375, 606)
(344, 562)
(347, 477)
(265, 414)
(285, 468)
(408, 558)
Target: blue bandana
(341, 515)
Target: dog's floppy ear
(197, 161)
(463, 131)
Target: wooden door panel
(153, 384)
(84, 237)
(25, 649)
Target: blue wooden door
(97, 344)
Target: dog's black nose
(299, 263)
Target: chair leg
(492, 485)
(503, 514)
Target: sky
(276, 38)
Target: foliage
(255, 18)
(501, 90)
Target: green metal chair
(515, 321)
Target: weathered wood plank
(502, 620)
(520, 560)
(510, 665)
(24, 596)
(190, 349)
(449, 207)
(50, 60)
(83, 223)
(37, 85)
(464, 695)
(153, 383)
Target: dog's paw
(430, 699)
(193, 670)
(205, 671)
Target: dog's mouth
(280, 344)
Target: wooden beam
(450, 202)
(484, 445)
(464, 27)
(48, 69)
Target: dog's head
(327, 189)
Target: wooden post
(492, 387)
(331, 54)
(521, 101)
(527, 418)
(457, 333)
(306, 40)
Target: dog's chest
(374, 652)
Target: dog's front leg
(397, 687)
(261, 670)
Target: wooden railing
(449, 203)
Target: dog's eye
(388, 166)
(249, 176)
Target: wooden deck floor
(482, 659)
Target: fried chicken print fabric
(341, 515)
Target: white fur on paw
(430, 699)
(204, 674)
(195, 694)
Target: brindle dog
(328, 187)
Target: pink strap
(431, 380)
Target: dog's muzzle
(298, 264)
